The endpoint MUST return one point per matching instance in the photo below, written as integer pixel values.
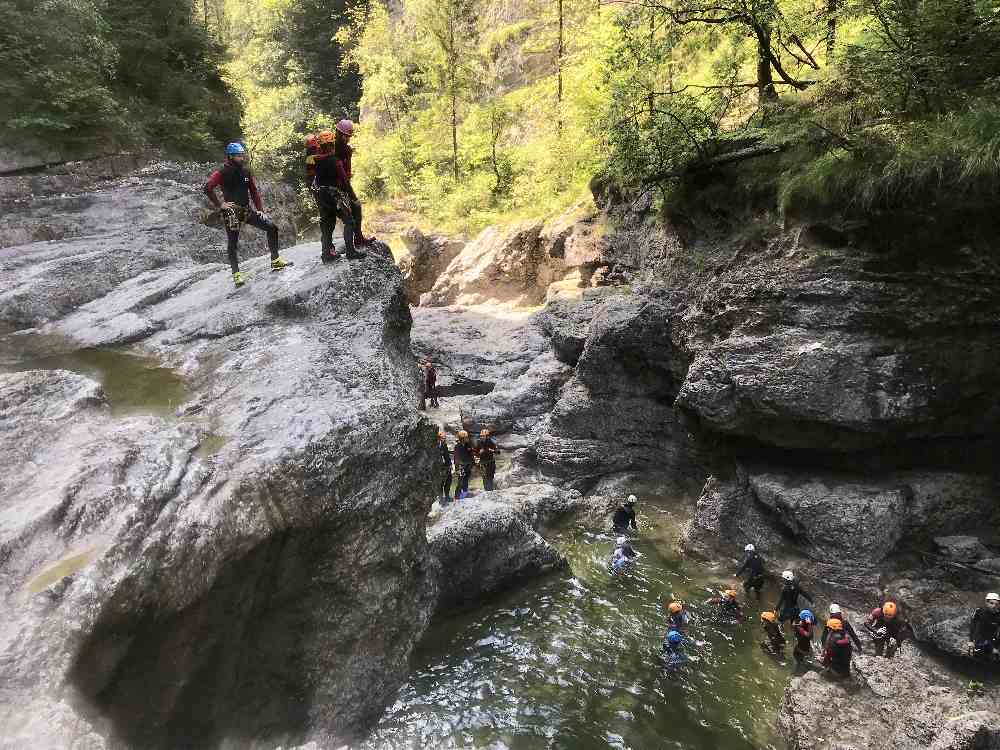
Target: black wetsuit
(788, 601)
(895, 629)
(775, 642)
(848, 628)
(445, 455)
(837, 655)
(984, 631)
(463, 464)
(487, 451)
(753, 565)
(624, 519)
(336, 198)
(678, 622)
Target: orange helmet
(729, 593)
(889, 610)
(675, 607)
(834, 624)
(325, 136)
(462, 434)
(768, 617)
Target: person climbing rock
(837, 651)
(624, 519)
(430, 384)
(464, 461)
(787, 606)
(238, 191)
(984, 630)
(727, 605)
(444, 491)
(888, 629)
(673, 649)
(775, 641)
(334, 193)
(803, 632)
(753, 566)
(486, 452)
(837, 614)
(677, 617)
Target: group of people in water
(794, 609)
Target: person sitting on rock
(837, 652)
(464, 461)
(677, 617)
(624, 519)
(888, 629)
(334, 193)
(753, 566)
(238, 191)
(788, 605)
(775, 641)
(984, 630)
(486, 452)
(837, 614)
(444, 456)
(673, 649)
(727, 605)
(803, 632)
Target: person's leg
(233, 248)
(359, 238)
(489, 472)
(446, 486)
(258, 220)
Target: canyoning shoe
(355, 255)
(280, 264)
(238, 279)
(330, 256)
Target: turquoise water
(571, 661)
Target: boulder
(428, 255)
(963, 549)
(157, 595)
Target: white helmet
(749, 548)
(788, 575)
(993, 597)
(834, 609)
(621, 541)
(631, 499)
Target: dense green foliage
(93, 73)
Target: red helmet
(345, 127)
(311, 140)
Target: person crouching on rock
(753, 566)
(486, 452)
(238, 190)
(984, 630)
(334, 193)
(624, 520)
(727, 606)
(444, 494)
(775, 641)
(803, 632)
(788, 600)
(837, 652)
(888, 629)
(464, 461)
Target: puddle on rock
(210, 445)
(65, 567)
(133, 384)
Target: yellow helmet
(768, 617)
(675, 607)
(834, 624)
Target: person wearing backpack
(803, 632)
(335, 194)
(838, 652)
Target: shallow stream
(572, 661)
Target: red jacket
(238, 186)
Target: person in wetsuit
(673, 649)
(753, 566)
(775, 641)
(464, 461)
(837, 614)
(486, 451)
(984, 630)
(623, 554)
(837, 652)
(677, 617)
(727, 605)
(239, 191)
(430, 384)
(888, 629)
(787, 606)
(624, 519)
(802, 629)
(334, 194)
(444, 457)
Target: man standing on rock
(888, 629)
(335, 195)
(753, 565)
(238, 190)
(464, 461)
(788, 600)
(984, 630)
(444, 455)
(486, 450)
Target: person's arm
(255, 195)
(973, 623)
(214, 180)
(853, 635)
(743, 567)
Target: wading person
(837, 652)
(239, 190)
(677, 617)
(837, 614)
(624, 520)
(788, 600)
(727, 606)
(464, 461)
(984, 630)
(444, 456)
(775, 642)
(803, 632)
(753, 566)
(486, 451)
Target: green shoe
(238, 279)
(280, 263)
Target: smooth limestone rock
(428, 255)
(266, 591)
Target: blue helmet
(674, 637)
(806, 615)
(235, 149)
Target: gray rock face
(965, 549)
(428, 256)
(912, 705)
(156, 596)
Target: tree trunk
(831, 30)
(454, 134)
(205, 5)
(559, 73)
(765, 80)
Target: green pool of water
(571, 661)
(132, 384)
